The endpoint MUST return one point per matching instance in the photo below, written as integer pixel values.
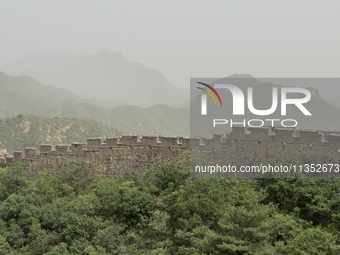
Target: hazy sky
(183, 39)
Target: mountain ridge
(105, 75)
(25, 95)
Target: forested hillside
(163, 211)
(30, 131)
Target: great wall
(112, 156)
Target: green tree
(79, 175)
(169, 178)
(312, 241)
(124, 202)
(4, 246)
(243, 228)
(110, 240)
(13, 179)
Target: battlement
(98, 144)
(144, 152)
(287, 135)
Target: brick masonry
(113, 156)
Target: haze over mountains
(121, 94)
(25, 95)
(108, 77)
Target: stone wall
(112, 156)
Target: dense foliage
(165, 212)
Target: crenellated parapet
(113, 155)
(94, 147)
(287, 135)
(216, 142)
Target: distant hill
(25, 95)
(24, 92)
(107, 76)
(22, 131)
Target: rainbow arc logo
(209, 90)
